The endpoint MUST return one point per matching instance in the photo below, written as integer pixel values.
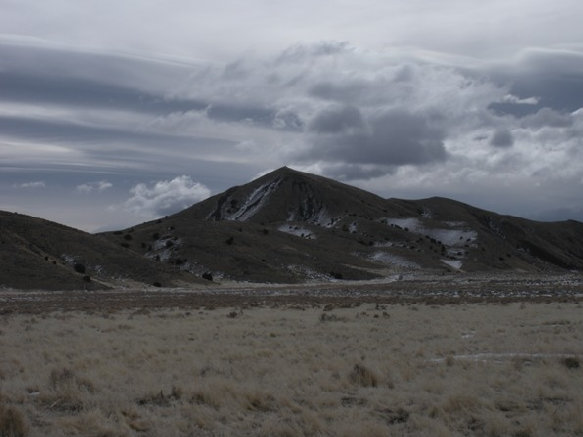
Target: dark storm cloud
(515, 109)
(392, 138)
(39, 89)
(290, 120)
(555, 77)
(76, 79)
(336, 120)
(345, 92)
(79, 135)
(360, 91)
(502, 138)
(58, 66)
(109, 147)
(29, 87)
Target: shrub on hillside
(208, 276)
(336, 275)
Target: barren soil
(415, 289)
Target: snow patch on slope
(449, 237)
(166, 242)
(254, 202)
(389, 258)
(411, 223)
(323, 219)
(456, 264)
(452, 237)
(297, 231)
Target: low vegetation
(12, 422)
(287, 370)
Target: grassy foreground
(468, 369)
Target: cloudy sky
(113, 112)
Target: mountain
(288, 226)
(40, 254)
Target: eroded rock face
(230, 206)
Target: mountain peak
(285, 170)
(288, 195)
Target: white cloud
(84, 188)
(94, 186)
(104, 185)
(33, 184)
(165, 197)
(509, 98)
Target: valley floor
(271, 366)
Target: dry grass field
(286, 370)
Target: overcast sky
(112, 113)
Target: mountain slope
(292, 226)
(543, 244)
(39, 254)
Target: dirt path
(428, 290)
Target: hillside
(40, 254)
(288, 226)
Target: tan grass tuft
(257, 401)
(363, 376)
(161, 399)
(12, 423)
(59, 378)
(205, 397)
(460, 402)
